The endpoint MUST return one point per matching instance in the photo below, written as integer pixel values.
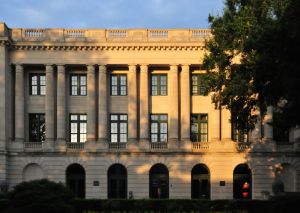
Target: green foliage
(39, 196)
(252, 59)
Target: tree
(40, 196)
(252, 62)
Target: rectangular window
(238, 135)
(37, 84)
(37, 127)
(78, 85)
(118, 85)
(199, 128)
(198, 86)
(159, 128)
(159, 84)
(118, 128)
(78, 128)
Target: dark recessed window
(118, 85)
(159, 84)
(78, 128)
(198, 85)
(118, 128)
(37, 127)
(37, 84)
(78, 85)
(159, 127)
(199, 127)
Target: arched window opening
(242, 182)
(33, 172)
(75, 179)
(200, 182)
(117, 181)
(159, 181)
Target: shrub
(40, 196)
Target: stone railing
(200, 146)
(107, 35)
(117, 146)
(159, 146)
(33, 145)
(75, 146)
(242, 146)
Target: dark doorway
(242, 182)
(200, 182)
(159, 181)
(75, 179)
(117, 181)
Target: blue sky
(108, 13)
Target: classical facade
(123, 114)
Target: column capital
(174, 67)
(185, 67)
(49, 67)
(102, 68)
(132, 67)
(90, 68)
(144, 67)
(61, 68)
(19, 68)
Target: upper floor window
(159, 84)
(78, 128)
(37, 127)
(238, 135)
(118, 128)
(37, 84)
(159, 128)
(78, 84)
(199, 128)
(198, 86)
(118, 84)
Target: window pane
(34, 80)
(34, 90)
(83, 117)
(42, 80)
(74, 80)
(154, 127)
(123, 138)
(114, 80)
(82, 138)
(82, 90)
(163, 80)
(73, 127)
(82, 80)
(154, 90)
(82, 127)
(153, 137)
(74, 90)
(194, 80)
(114, 90)
(123, 90)
(154, 80)
(203, 117)
(43, 90)
(163, 117)
(73, 138)
(114, 138)
(195, 90)
(123, 127)
(123, 117)
(163, 128)
(73, 117)
(194, 128)
(163, 90)
(123, 80)
(163, 138)
(113, 117)
(203, 127)
(114, 128)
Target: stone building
(123, 113)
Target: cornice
(108, 47)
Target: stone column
(225, 125)
(102, 113)
(61, 104)
(132, 103)
(268, 124)
(91, 98)
(50, 101)
(19, 104)
(144, 103)
(173, 100)
(185, 103)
